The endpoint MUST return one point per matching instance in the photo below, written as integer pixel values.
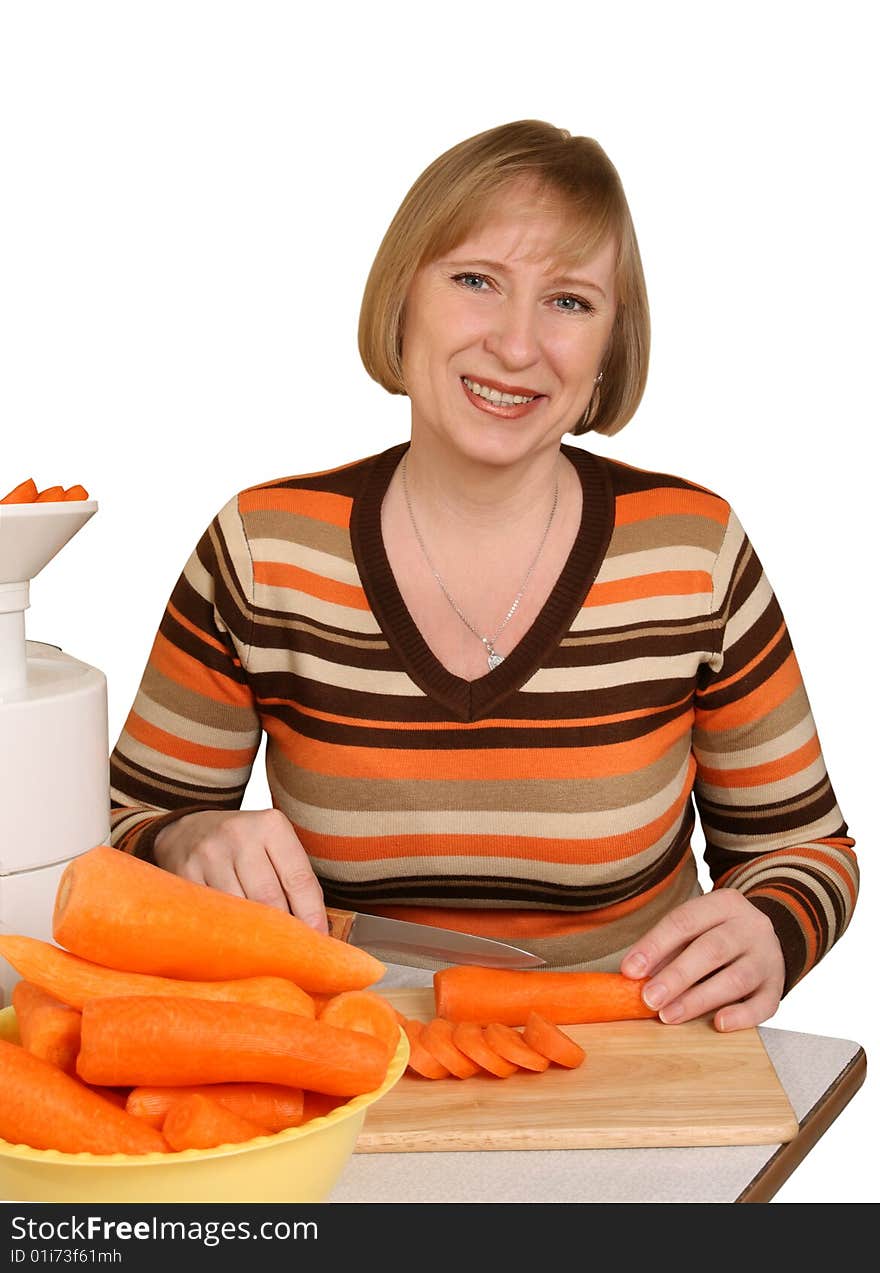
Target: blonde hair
(453, 196)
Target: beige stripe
(663, 609)
(760, 752)
(287, 624)
(181, 726)
(812, 887)
(165, 770)
(654, 560)
(295, 528)
(576, 680)
(676, 530)
(787, 715)
(725, 564)
(343, 675)
(767, 792)
(758, 814)
(283, 552)
(783, 864)
(617, 638)
(202, 711)
(817, 830)
(749, 613)
(331, 613)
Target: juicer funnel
(30, 536)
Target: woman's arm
(775, 837)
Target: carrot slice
(48, 1028)
(364, 1010)
(75, 492)
(471, 1040)
(467, 993)
(510, 1044)
(198, 1122)
(120, 911)
(437, 1038)
(24, 493)
(269, 1105)
(75, 981)
(50, 495)
(421, 1061)
(45, 1108)
(151, 1041)
(550, 1041)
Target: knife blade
(395, 939)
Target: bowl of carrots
(164, 1051)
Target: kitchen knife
(394, 940)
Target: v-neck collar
(473, 700)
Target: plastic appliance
(54, 754)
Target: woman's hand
(249, 854)
(717, 951)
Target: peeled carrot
(152, 1041)
(269, 1105)
(550, 1041)
(47, 1027)
(75, 492)
(364, 1010)
(24, 493)
(198, 1122)
(75, 981)
(486, 995)
(510, 1044)
(421, 1061)
(437, 1038)
(318, 1105)
(120, 911)
(470, 1039)
(45, 1108)
(50, 495)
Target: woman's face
(498, 315)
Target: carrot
(120, 911)
(510, 1044)
(198, 1122)
(470, 1039)
(45, 1108)
(24, 493)
(421, 1061)
(151, 1041)
(550, 1041)
(437, 1038)
(270, 1105)
(50, 495)
(486, 995)
(75, 981)
(367, 1011)
(75, 492)
(318, 1104)
(48, 1028)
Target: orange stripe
(753, 663)
(806, 851)
(182, 749)
(194, 676)
(490, 722)
(553, 762)
(662, 583)
(281, 574)
(805, 921)
(321, 506)
(756, 705)
(665, 501)
(196, 631)
(771, 771)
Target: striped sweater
(550, 802)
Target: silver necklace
(489, 642)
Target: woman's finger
(304, 894)
(739, 1016)
(710, 951)
(674, 932)
(729, 985)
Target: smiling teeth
(495, 395)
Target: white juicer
(54, 754)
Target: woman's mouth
(500, 402)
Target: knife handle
(339, 922)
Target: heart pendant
(494, 660)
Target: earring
(583, 424)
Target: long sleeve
(772, 825)
(192, 734)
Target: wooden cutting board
(643, 1084)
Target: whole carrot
(75, 493)
(24, 493)
(48, 1028)
(45, 1108)
(198, 1122)
(125, 913)
(75, 981)
(488, 995)
(152, 1041)
(270, 1105)
(50, 495)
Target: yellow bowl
(301, 1164)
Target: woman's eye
(468, 279)
(569, 304)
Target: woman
(495, 671)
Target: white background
(192, 198)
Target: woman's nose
(513, 335)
